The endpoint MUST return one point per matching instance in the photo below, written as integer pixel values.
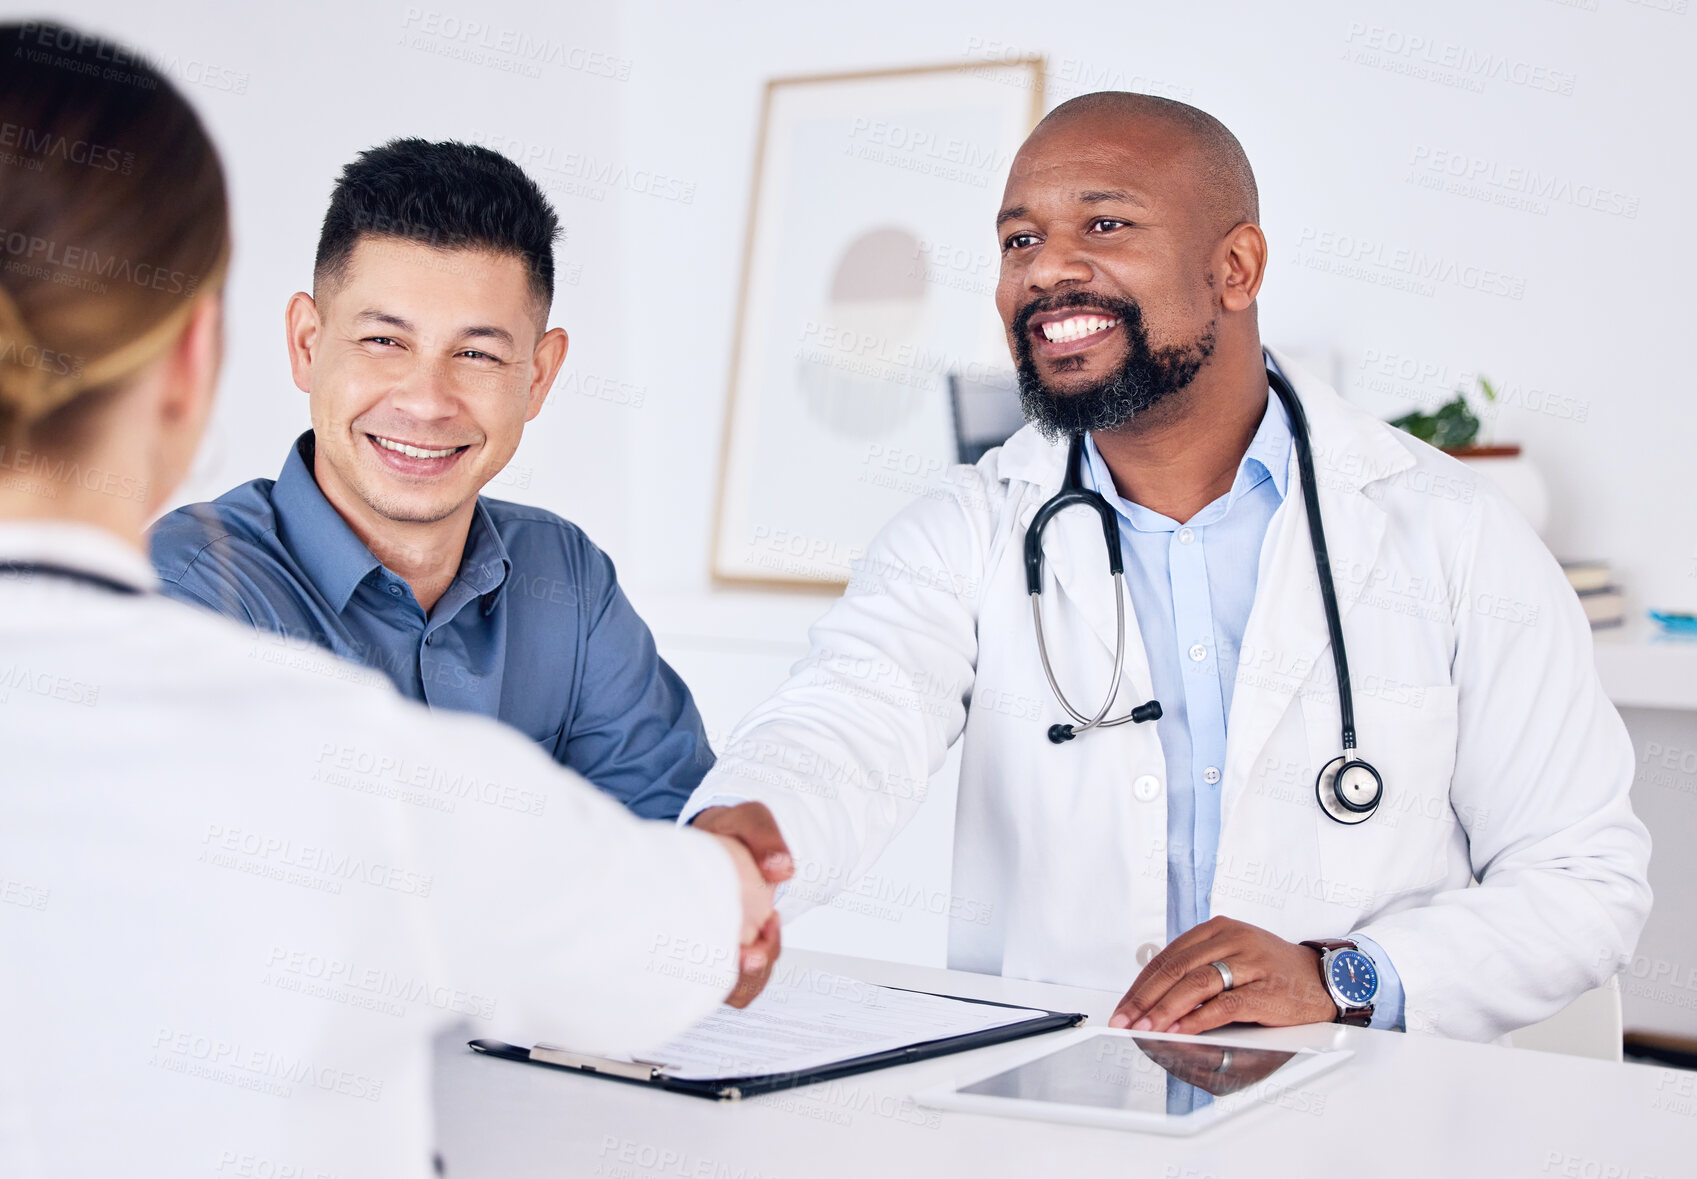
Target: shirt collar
(77, 546)
(337, 560)
(1269, 450)
(333, 557)
(485, 566)
(1267, 457)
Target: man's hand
(753, 832)
(1275, 982)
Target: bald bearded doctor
(1201, 859)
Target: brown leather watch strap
(1358, 1017)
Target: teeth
(413, 451)
(1076, 327)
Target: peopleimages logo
(1513, 186)
(1450, 63)
(328, 863)
(513, 50)
(1403, 267)
(339, 980)
(255, 1067)
(584, 174)
(50, 256)
(47, 43)
(46, 144)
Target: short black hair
(450, 195)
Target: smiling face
(423, 366)
(1107, 286)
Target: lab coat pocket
(1408, 734)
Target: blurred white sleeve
(586, 926)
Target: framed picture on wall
(869, 276)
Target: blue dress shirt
(1191, 586)
(534, 630)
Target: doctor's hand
(1274, 982)
(751, 826)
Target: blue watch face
(1354, 977)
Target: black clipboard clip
(646, 1071)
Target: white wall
(293, 92)
(651, 167)
(1598, 327)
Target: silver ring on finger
(1225, 975)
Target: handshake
(750, 834)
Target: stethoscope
(26, 569)
(1348, 788)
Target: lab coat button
(1146, 787)
(1147, 951)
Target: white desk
(1641, 668)
(1404, 1106)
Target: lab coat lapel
(1075, 562)
(1076, 581)
(1074, 551)
(1286, 646)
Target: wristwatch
(1351, 979)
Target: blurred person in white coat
(243, 883)
(1213, 862)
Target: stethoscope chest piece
(1349, 790)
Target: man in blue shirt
(424, 349)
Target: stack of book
(1593, 581)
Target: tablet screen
(1133, 1073)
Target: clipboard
(639, 1072)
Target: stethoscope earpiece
(1141, 715)
(1349, 789)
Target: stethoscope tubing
(1322, 556)
(1073, 493)
(1086, 723)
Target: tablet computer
(1158, 1083)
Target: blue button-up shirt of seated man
(424, 350)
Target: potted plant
(1454, 428)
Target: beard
(1145, 378)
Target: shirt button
(1185, 536)
(1146, 787)
(1147, 951)
(1198, 653)
(394, 589)
(1211, 775)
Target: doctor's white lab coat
(1475, 697)
(243, 884)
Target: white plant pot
(1514, 475)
